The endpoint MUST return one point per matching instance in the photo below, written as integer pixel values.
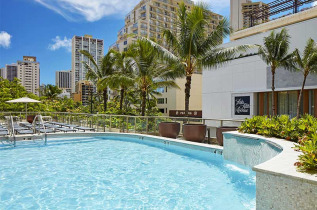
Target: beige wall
(176, 97)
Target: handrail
(11, 128)
(39, 117)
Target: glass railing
(124, 123)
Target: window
(166, 100)
(160, 100)
(160, 90)
(125, 42)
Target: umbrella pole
(26, 111)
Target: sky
(44, 28)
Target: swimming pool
(107, 172)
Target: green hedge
(302, 131)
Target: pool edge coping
(283, 163)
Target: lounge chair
(42, 130)
(85, 129)
(4, 132)
(65, 130)
(51, 126)
(71, 126)
(21, 132)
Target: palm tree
(194, 47)
(97, 72)
(150, 70)
(51, 91)
(123, 76)
(275, 54)
(307, 63)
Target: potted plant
(222, 129)
(194, 132)
(30, 118)
(169, 129)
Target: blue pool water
(123, 173)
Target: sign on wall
(181, 113)
(242, 105)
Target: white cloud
(5, 39)
(315, 3)
(93, 10)
(61, 43)
(90, 10)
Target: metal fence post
(134, 124)
(127, 120)
(110, 122)
(147, 125)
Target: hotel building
(149, 19)
(63, 80)
(240, 13)
(90, 44)
(29, 74)
(171, 102)
(242, 88)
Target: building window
(160, 100)
(166, 100)
(125, 42)
(160, 90)
(161, 110)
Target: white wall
(246, 75)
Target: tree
(97, 72)
(194, 48)
(123, 76)
(307, 63)
(51, 91)
(275, 54)
(151, 71)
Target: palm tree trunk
(143, 103)
(273, 91)
(105, 99)
(187, 93)
(300, 96)
(121, 97)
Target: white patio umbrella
(25, 100)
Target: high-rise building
(11, 71)
(83, 92)
(150, 18)
(28, 71)
(262, 8)
(63, 80)
(2, 70)
(239, 13)
(90, 44)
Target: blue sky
(44, 28)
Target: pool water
(123, 173)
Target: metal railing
(125, 123)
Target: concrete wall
(249, 75)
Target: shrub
(307, 160)
(281, 127)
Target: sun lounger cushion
(66, 129)
(85, 128)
